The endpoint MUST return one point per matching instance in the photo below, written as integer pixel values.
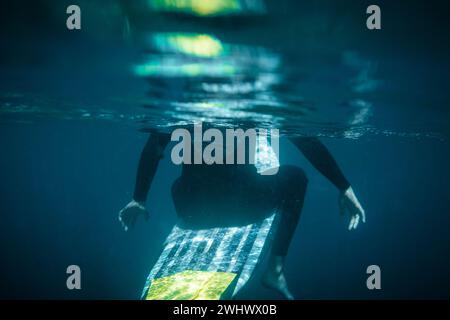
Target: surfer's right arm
(320, 157)
(148, 163)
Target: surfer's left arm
(148, 163)
(320, 157)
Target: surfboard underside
(207, 264)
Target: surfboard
(206, 264)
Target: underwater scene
(224, 149)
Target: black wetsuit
(229, 195)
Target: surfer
(216, 195)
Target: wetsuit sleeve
(148, 163)
(319, 156)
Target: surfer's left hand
(349, 203)
(129, 214)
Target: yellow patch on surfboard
(190, 285)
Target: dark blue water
(61, 194)
(72, 112)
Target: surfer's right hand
(129, 214)
(348, 202)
